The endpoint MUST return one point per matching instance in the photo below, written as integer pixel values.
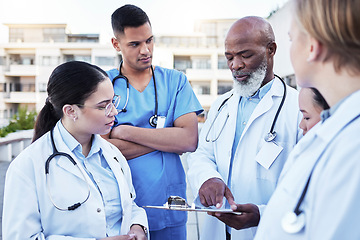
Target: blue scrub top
(157, 175)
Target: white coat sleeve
(21, 215)
(202, 163)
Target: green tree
(23, 120)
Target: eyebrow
(237, 53)
(137, 42)
(104, 101)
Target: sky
(93, 16)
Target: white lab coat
(257, 164)
(28, 212)
(331, 203)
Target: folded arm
(136, 141)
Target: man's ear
(115, 44)
(69, 111)
(271, 48)
(316, 50)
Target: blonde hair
(336, 24)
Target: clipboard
(193, 208)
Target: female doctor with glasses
(70, 183)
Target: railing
(14, 143)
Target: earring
(74, 118)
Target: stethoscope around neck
(153, 119)
(270, 136)
(47, 163)
(294, 221)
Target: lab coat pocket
(267, 154)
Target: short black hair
(128, 16)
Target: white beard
(248, 87)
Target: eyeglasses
(114, 103)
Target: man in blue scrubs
(151, 147)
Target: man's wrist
(143, 228)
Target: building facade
(34, 50)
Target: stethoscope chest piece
(270, 136)
(292, 223)
(153, 121)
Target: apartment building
(34, 50)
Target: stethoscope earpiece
(292, 223)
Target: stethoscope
(153, 119)
(54, 154)
(294, 221)
(270, 136)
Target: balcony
(200, 74)
(21, 70)
(20, 97)
(20, 93)
(14, 143)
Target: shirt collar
(263, 90)
(73, 144)
(329, 112)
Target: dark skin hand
(213, 191)
(250, 216)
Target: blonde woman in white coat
(319, 189)
(84, 191)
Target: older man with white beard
(237, 161)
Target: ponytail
(46, 120)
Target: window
(222, 62)
(84, 58)
(42, 87)
(182, 63)
(16, 35)
(224, 86)
(50, 60)
(201, 63)
(201, 88)
(54, 34)
(105, 61)
(2, 60)
(18, 59)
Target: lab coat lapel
(266, 102)
(125, 195)
(233, 106)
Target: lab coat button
(98, 210)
